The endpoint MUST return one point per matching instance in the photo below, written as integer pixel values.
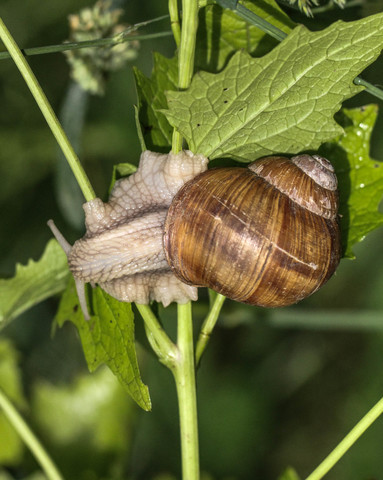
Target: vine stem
(29, 438)
(184, 375)
(47, 111)
(347, 442)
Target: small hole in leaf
(198, 124)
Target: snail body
(265, 235)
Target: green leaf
(11, 445)
(108, 337)
(221, 32)
(360, 177)
(282, 102)
(155, 128)
(33, 283)
(91, 414)
(289, 474)
(121, 170)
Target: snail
(265, 235)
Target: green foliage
(108, 337)
(89, 414)
(212, 53)
(289, 474)
(360, 177)
(157, 132)
(33, 283)
(121, 170)
(221, 33)
(11, 446)
(282, 102)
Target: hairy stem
(29, 438)
(47, 111)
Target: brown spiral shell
(266, 235)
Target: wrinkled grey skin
(122, 249)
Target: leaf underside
(33, 282)
(221, 32)
(283, 102)
(108, 337)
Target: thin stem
(99, 42)
(47, 111)
(158, 339)
(29, 438)
(377, 92)
(188, 42)
(208, 326)
(175, 21)
(184, 374)
(253, 18)
(347, 442)
(186, 55)
(124, 36)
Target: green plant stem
(184, 367)
(253, 18)
(377, 92)
(184, 375)
(100, 42)
(186, 55)
(29, 438)
(121, 37)
(175, 21)
(158, 339)
(208, 326)
(347, 442)
(47, 111)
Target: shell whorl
(308, 180)
(267, 235)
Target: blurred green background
(275, 388)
